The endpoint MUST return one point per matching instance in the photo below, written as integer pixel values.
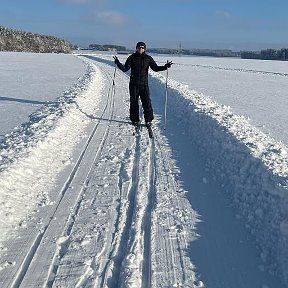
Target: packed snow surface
(86, 202)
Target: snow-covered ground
(84, 203)
(26, 83)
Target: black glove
(116, 60)
(168, 64)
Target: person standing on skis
(139, 63)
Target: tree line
(198, 52)
(20, 41)
(106, 47)
(268, 54)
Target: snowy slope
(85, 203)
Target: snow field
(31, 80)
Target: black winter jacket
(139, 64)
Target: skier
(139, 62)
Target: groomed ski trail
(121, 218)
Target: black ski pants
(142, 91)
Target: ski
(150, 131)
(137, 129)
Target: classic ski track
(98, 272)
(146, 275)
(123, 238)
(69, 226)
(114, 270)
(137, 239)
(117, 257)
(25, 266)
(166, 167)
(131, 227)
(113, 264)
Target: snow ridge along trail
(110, 212)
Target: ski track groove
(135, 252)
(146, 275)
(125, 238)
(120, 219)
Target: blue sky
(233, 24)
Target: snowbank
(24, 181)
(251, 167)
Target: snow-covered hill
(15, 40)
(85, 203)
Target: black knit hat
(140, 44)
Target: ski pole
(166, 99)
(113, 81)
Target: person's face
(140, 49)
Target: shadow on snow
(25, 101)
